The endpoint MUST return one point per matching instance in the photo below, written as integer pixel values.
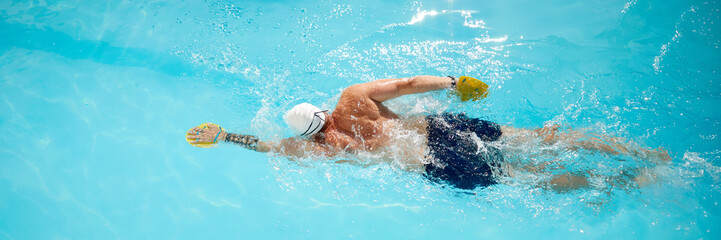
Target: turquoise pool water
(95, 97)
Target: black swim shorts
(458, 159)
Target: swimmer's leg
(568, 182)
(575, 140)
(633, 179)
(560, 183)
(519, 141)
(612, 145)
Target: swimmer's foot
(658, 156)
(645, 178)
(643, 181)
(640, 177)
(548, 133)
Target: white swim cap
(305, 119)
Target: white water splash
(628, 6)
(664, 49)
(467, 15)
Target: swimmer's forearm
(246, 141)
(386, 89)
(431, 83)
(421, 84)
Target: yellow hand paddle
(469, 88)
(203, 144)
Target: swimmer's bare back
(360, 120)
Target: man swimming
(454, 148)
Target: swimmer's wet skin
(360, 122)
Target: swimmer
(452, 151)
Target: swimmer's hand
(205, 135)
(468, 88)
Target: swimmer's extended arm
(291, 147)
(209, 133)
(386, 89)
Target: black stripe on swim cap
(306, 131)
(319, 125)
